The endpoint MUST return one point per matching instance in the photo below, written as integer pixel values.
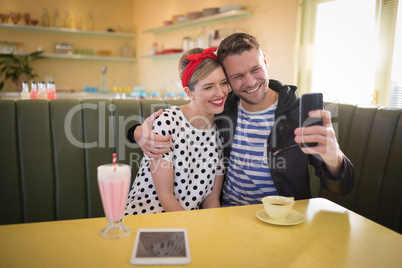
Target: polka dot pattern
(196, 156)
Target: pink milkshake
(114, 183)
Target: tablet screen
(161, 246)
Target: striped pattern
(248, 178)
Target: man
(261, 135)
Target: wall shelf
(213, 19)
(169, 56)
(88, 57)
(81, 57)
(31, 28)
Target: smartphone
(310, 102)
(161, 247)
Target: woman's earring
(230, 88)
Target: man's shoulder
(288, 99)
(279, 87)
(275, 85)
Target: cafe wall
(69, 73)
(273, 22)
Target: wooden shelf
(213, 19)
(170, 56)
(81, 57)
(88, 57)
(31, 28)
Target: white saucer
(293, 218)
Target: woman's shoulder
(172, 110)
(169, 117)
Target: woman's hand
(162, 175)
(213, 200)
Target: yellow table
(331, 236)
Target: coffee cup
(278, 207)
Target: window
(396, 75)
(345, 50)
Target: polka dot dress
(196, 156)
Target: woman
(191, 175)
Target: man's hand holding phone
(152, 144)
(315, 133)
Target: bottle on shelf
(45, 18)
(51, 91)
(67, 20)
(34, 92)
(192, 44)
(215, 39)
(202, 39)
(42, 94)
(154, 49)
(103, 87)
(90, 24)
(78, 21)
(56, 19)
(25, 91)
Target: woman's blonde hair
(206, 67)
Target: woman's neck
(196, 118)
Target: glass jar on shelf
(155, 96)
(182, 96)
(19, 47)
(170, 96)
(12, 47)
(186, 43)
(139, 93)
(127, 51)
(142, 95)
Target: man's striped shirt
(248, 178)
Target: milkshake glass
(114, 183)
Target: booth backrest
(371, 137)
(50, 151)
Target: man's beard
(246, 100)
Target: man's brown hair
(235, 44)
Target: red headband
(195, 60)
